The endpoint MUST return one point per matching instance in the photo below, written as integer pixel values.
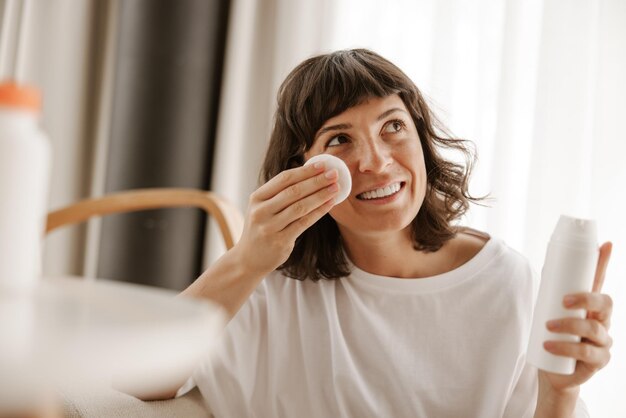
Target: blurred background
(180, 93)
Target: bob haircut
(326, 85)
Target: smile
(381, 193)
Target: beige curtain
(65, 56)
(80, 54)
(266, 39)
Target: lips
(381, 192)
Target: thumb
(603, 261)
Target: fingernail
(318, 165)
(569, 300)
(554, 324)
(333, 187)
(331, 174)
(548, 345)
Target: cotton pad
(345, 179)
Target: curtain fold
(60, 60)
(265, 40)
(166, 86)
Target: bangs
(347, 81)
(335, 83)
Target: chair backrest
(227, 216)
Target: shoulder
(469, 242)
(511, 269)
(268, 294)
(498, 258)
(473, 241)
(514, 259)
(278, 285)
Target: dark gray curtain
(169, 64)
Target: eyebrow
(348, 125)
(389, 112)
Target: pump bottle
(569, 268)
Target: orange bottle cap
(19, 96)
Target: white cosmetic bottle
(24, 172)
(569, 267)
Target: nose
(374, 157)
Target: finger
(287, 178)
(296, 228)
(590, 329)
(603, 262)
(598, 305)
(594, 357)
(304, 206)
(299, 191)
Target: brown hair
(325, 86)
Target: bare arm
(228, 282)
(278, 212)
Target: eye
(336, 140)
(394, 126)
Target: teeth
(382, 192)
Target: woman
(379, 305)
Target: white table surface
(73, 330)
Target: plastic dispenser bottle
(24, 175)
(569, 267)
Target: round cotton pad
(345, 179)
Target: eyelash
(399, 122)
(332, 139)
(390, 122)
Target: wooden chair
(226, 215)
(110, 402)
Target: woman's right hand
(281, 210)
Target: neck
(393, 255)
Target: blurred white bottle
(24, 174)
(569, 267)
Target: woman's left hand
(592, 353)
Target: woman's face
(379, 142)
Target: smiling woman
(378, 305)
(354, 105)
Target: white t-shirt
(451, 345)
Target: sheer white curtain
(538, 85)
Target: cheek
(347, 154)
(410, 156)
(421, 182)
(339, 211)
(420, 172)
(412, 159)
(343, 214)
(413, 152)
